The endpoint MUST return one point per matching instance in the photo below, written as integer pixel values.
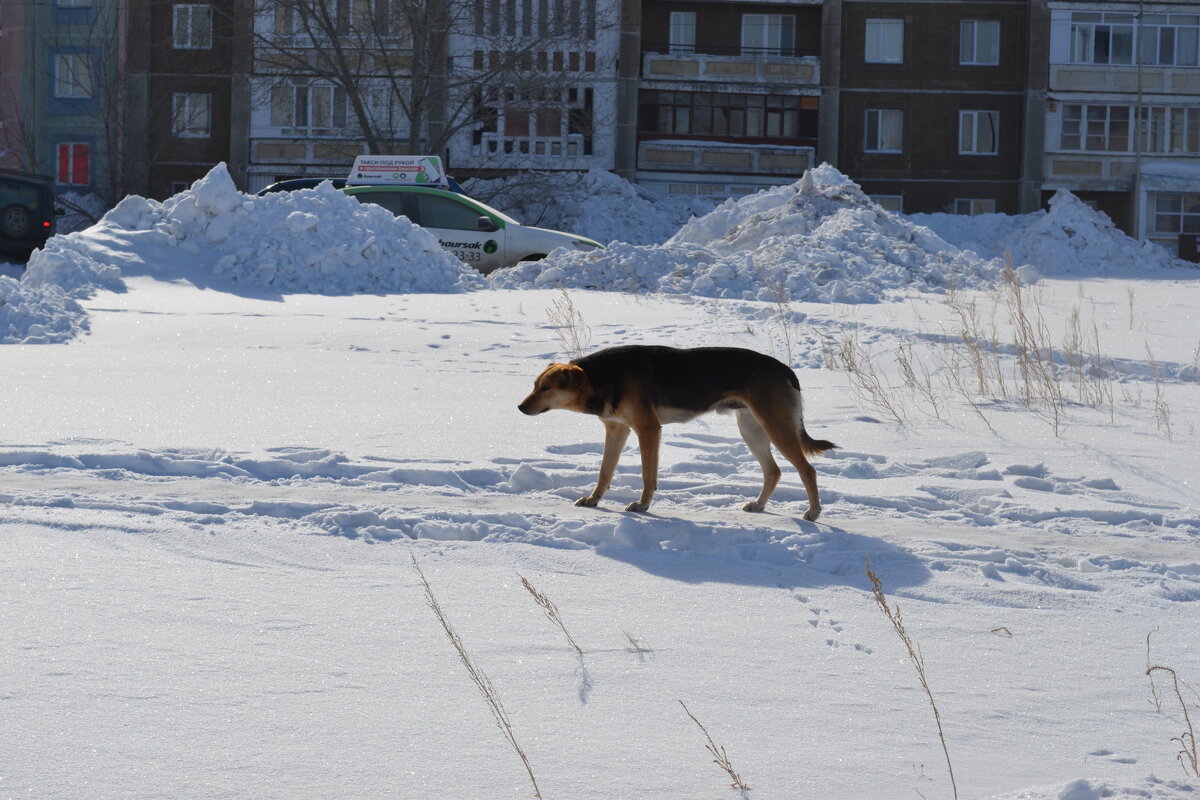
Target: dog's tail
(814, 447)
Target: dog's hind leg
(781, 420)
(760, 445)
(615, 436)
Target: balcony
(794, 71)
(1124, 80)
(533, 152)
(673, 155)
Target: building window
(73, 75)
(1176, 213)
(1101, 38)
(192, 27)
(721, 114)
(1095, 128)
(979, 41)
(768, 35)
(1172, 130)
(885, 41)
(191, 115)
(683, 32)
(972, 208)
(884, 131)
(890, 202)
(1169, 40)
(74, 163)
(978, 132)
(317, 109)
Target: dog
(643, 387)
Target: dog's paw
(639, 506)
(754, 505)
(812, 514)
(587, 502)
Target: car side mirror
(487, 224)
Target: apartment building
(931, 103)
(189, 77)
(1122, 125)
(965, 107)
(62, 105)
(729, 95)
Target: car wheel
(534, 257)
(16, 221)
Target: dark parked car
(27, 213)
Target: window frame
(1095, 32)
(184, 35)
(301, 98)
(879, 127)
(681, 33)
(976, 28)
(185, 114)
(968, 122)
(1095, 121)
(72, 151)
(1186, 213)
(974, 206)
(876, 48)
(67, 85)
(778, 33)
(1177, 29)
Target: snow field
(212, 500)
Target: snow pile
(37, 314)
(316, 240)
(820, 239)
(1070, 239)
(319, 241)
(598, 204)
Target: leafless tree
(410, 75)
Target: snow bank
(316, 240)
(598, 204)
(1070, 239)
(319, 241)
(820, 239)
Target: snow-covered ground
(233, 427)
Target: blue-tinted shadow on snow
(813, 556)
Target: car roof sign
(398, 170)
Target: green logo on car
(490, 246)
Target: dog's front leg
(648, 437)
(615, 436)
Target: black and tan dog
(641, 388)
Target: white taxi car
(476, 233)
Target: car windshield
(494, 212)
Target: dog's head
(559, 386)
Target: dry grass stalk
(1162, 411)
(573, 333)
(866, 382)
(551, 611)
(1188, 756)
(637, 645)
(914, 655)
(478, 677)
(720, 758)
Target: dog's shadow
(797, 554)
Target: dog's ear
(570, 376)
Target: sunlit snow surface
(231, 423)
